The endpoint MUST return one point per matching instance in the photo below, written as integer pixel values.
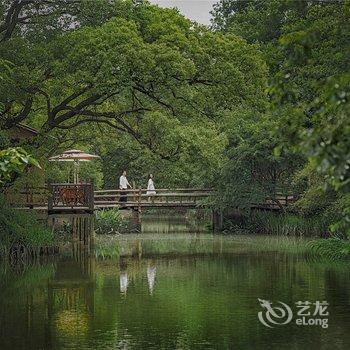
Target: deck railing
(64, 195)
(185, 197)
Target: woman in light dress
(151, 191)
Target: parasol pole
(75, 176)
(78, 170)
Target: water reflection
(151, 276)
(203, 300)
(123, 277)
(80, 227)
(168, 223)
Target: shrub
(282, 224)
(22, 229)
(332, 248)
(109, 221)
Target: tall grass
(22, 235)
(284, 224)
(332, 248)
(277, 224)
(109, 221)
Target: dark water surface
(172, 291)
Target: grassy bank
(284, 224)
(186, 244)
(22, 236)
(321, 243)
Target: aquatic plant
(285, 224)
(21, 235)
(332, 248)
(109, 221)
(106, 248)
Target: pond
(171, 289)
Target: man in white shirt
(123, 186)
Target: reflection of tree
(23, 306)
(205, 298)
(71, 298)
(198, 299)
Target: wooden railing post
(134, 188)
(217, 220)
(50, 198)
(91, 196)
(139, 200)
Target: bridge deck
(78, 198)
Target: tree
(307, 47)
(123, 70)
(253, 171)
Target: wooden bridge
(139, 199)
(81, 198)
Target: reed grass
(280, 224)
(22, 235)
(109, 221)
(153, 244)
(331, 248)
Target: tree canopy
(255, 104)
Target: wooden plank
(157, 195)
(113, 195)
(157, 190)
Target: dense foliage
(306, 45)
(255, 105)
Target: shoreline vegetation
(23, 237)
(331, 250)
(274, 229)
(316, 230)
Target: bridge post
(91, 196)
(218, 220)
(50, 198)
(139, 200)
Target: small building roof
(21, 131)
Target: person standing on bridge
(123, 186)
(151, 191)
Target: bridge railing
(138, 197)
(181, 196)
(82, 196)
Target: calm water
(172, 291)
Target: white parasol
(76, 156)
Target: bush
(109, 221)
(282, 224)
(333, 248)
(22, 229)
